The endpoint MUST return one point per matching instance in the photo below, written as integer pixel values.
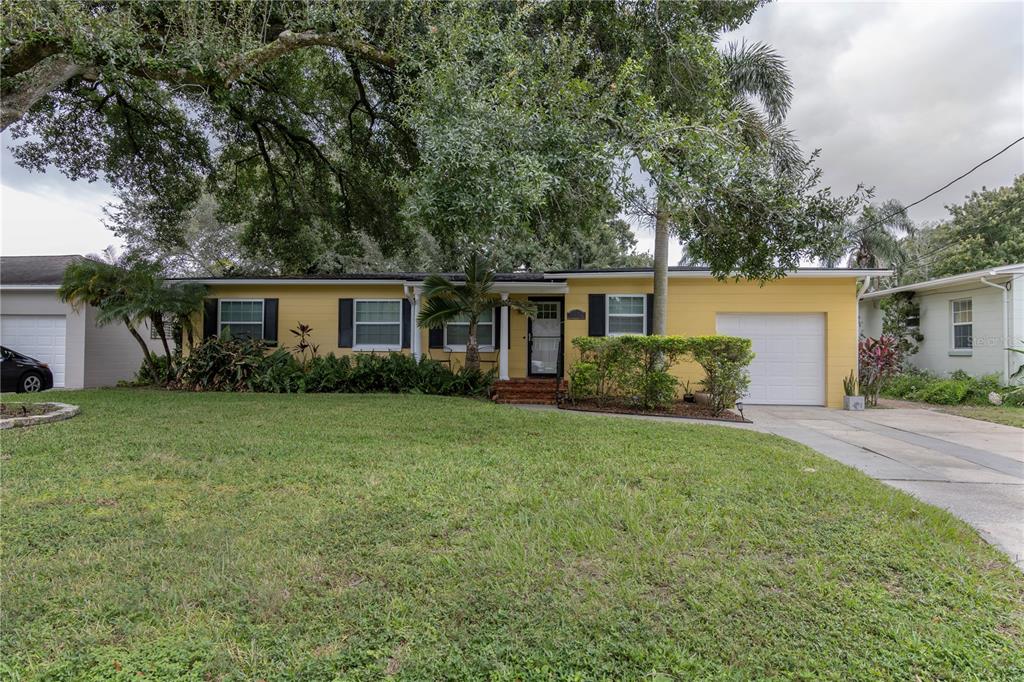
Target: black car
(23, 374)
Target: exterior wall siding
(936, 355)
(93, 355)
(693, 306)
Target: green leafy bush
(960, 388)
(725, 360)
(636, 368)
(228, 364)
(943, 392)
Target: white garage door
(37, 336)
(790, 365)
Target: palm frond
(756, 70)
(440, 309)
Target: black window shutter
(406, 323)
(649, 317)
(436, 338)
(497, 326)
(209, 318)
(270, 321)
(345, 312)
(595, 326)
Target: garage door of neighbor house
(38, 336)
(790, 365)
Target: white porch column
(417, 336)
(503, 347)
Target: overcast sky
(901, 96)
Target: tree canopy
(336, 133)
(986, 230)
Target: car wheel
(30, 383)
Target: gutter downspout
(1006, 329)
(860, 297)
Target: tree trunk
(659, 316)
(147, 356)
(472, 350)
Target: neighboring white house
(968, 321)
(34, 322)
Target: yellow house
(803, 327)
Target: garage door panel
(789, 367)
(42, 337)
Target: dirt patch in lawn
(26, 409)
(679, 409)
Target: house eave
(1001, 274)
(706, 274)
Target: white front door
(789, 367)
(545, 337)
(38, 336)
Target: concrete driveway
(972, 468)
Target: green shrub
(636, 368)
(725, 360)
(943, 392)
(959, 388)
(242, 365)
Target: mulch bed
(8, 410)
(680, 409)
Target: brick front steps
(527, 391)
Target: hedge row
(637, 368)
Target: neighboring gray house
(34, 322)
(968, 321)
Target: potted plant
(688, 396)
(852, 400)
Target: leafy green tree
(466, 300)
(986, 230)
(876, 239)
(130, 294)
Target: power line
(947, 185)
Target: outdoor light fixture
(739, 406)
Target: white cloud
(50, 224)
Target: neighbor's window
(963, 327)
(456, 333)
(378, 324)
(626, 314)
(244, 319)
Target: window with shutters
(378, 324)
(962, 314)
(456, 332)
(625, 314)
(242, 318)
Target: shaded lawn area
(205, 536)
(998, 414)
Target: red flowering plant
(878, 359)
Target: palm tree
(131, 292)
(755, 74)
(874, 239)
(448, 301)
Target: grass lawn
(998, 414)
(204, 536)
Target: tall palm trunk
(147, 356)
(472, 350)
(659, 316)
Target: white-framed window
(243, 317)
(962, 317)
(625, 314)
(456, 333)
(378, 324)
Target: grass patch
(1009, 415)
(253, 536)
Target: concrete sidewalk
(971, 468)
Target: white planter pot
(853, 402)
